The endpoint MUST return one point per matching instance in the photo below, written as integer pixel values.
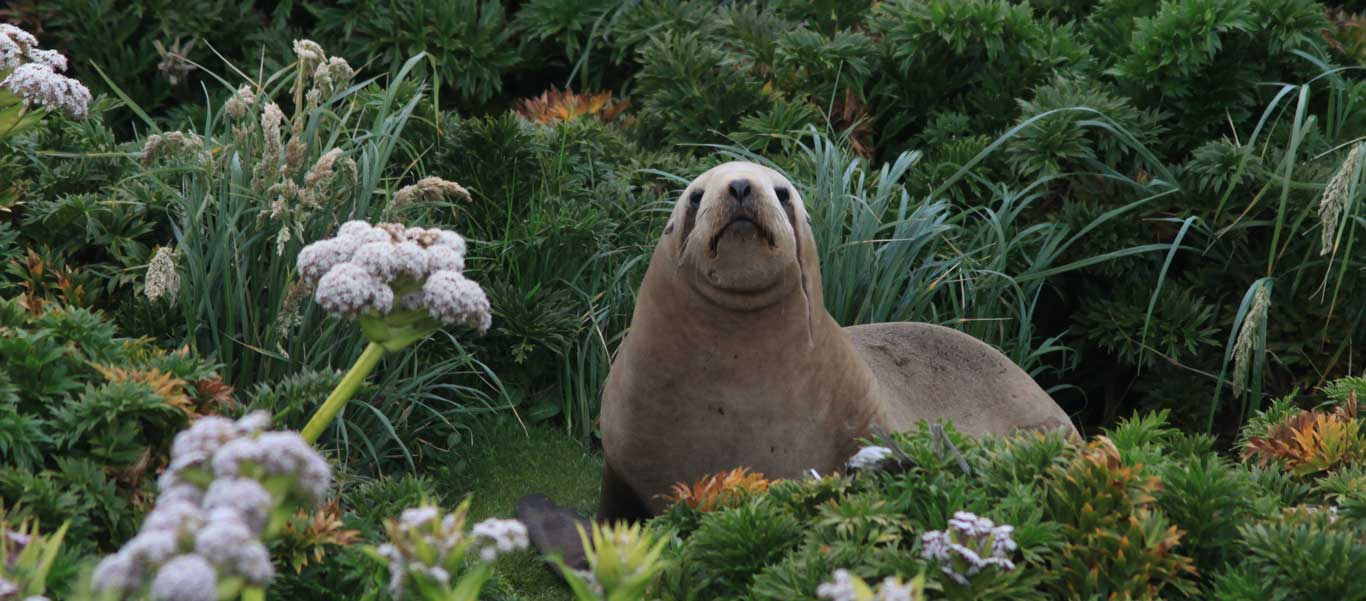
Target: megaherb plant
(401, 284)
(253, 186)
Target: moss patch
(507, 462)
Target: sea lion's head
(740, 238)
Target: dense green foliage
(1215, 125)
(1142, 512)
(86, 417)
(1156, 208)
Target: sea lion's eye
(784, 195)
(695, 198)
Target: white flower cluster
(842, 589)
(196, 534)
(970, 545)
(869, 457)
(34, 74)
(9, 589)
(423, 540)
(499, 536)
(359, 270)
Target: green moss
(506, 462)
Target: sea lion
(732, 360)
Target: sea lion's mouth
(742, 223)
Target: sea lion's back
(930, 372)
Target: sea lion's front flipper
(553, 530)
(619, 500)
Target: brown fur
(733, 361)
(710, 378)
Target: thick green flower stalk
(401, 283)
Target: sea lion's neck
(674, 304)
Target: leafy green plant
(84, 416)
(928, 46)
(468, 44)
(1118, 545)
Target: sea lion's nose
(739, 189)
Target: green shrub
(1205, 58)
(693, 91)
(1087, 128)
(469, 44)
(150, 49)
(86, 416)
(972, 57)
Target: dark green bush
(469, 44)
(1145, 513)
(86, 418)
(973, 57)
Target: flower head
(186, 578)
(15, 46)
(970, 545)
(37, 83)
(348, 289)
(499, 536)
(365, 268)
(453, 299)
(240, 104)
(207, 524)
(162, 277)
(245, 496)
(839, 589)
(869, 457)
(429, 189)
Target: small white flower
(253, 423)
(152, 547)
(416, 517)
(440, 575)
(318, 258)
(869, 457)
(839, 589)
(892, 589)
(379, 259)
(15, 44)
(186, 578)
(51, 58)
(181, 492)
(451, 240)
(499, 536)
(233, 547)
(353, 228)
(175, 517)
